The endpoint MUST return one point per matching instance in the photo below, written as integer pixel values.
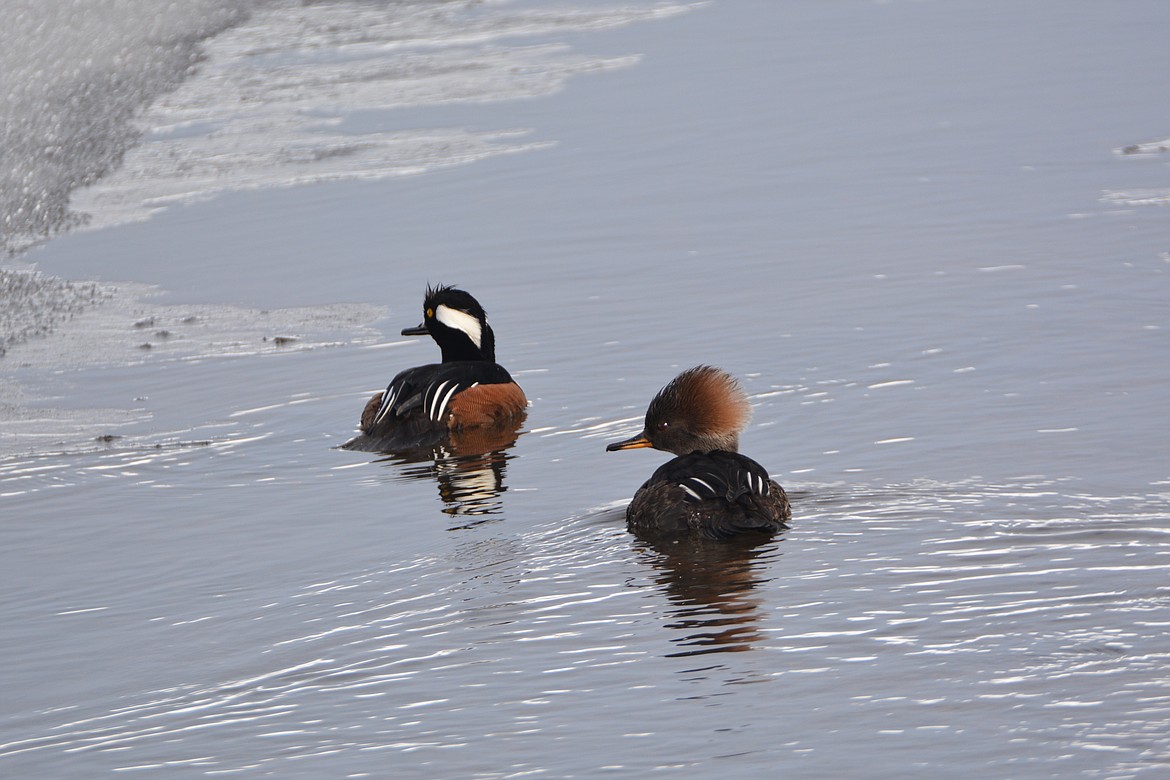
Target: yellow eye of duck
(430, 313)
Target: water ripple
(964, 613)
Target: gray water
(929, 237)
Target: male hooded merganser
(709, 489)
(467, 390)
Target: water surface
(915, 233)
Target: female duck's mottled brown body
(467, 390)
(710, 489)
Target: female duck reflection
(711, 589)
(462, 414)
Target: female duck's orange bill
(633, 443)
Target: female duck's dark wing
(728, 476)
(427, 391)
(718, 494)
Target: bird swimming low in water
(709, 490)
(467, 390)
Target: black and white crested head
(457, 323)
(703, 409)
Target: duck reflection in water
(461, 414)
(468, 466)
(711, 587)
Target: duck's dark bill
(630, 444)
(417, 330)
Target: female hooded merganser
(709, 489)
(467, 390)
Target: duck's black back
(715, 494)
(423, 393)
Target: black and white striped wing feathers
(427, 391)
(430, 395)
(729, 485)
(437, 397)
(389, 397)
(710, 476)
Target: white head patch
(460, 320)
